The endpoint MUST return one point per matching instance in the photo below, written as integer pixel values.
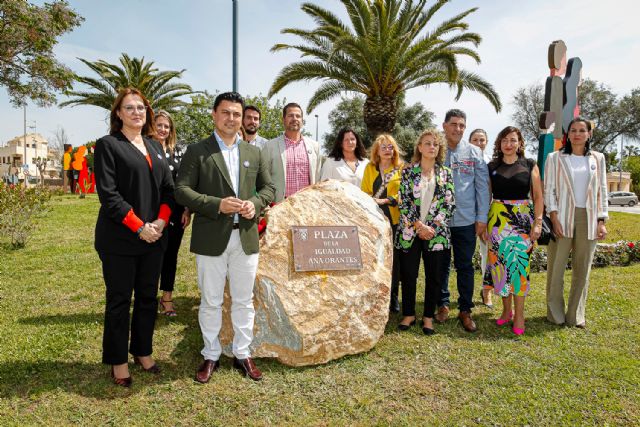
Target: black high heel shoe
(402, 327)
(484, 300)
(427, 331)
(155, 369)
(122, 382)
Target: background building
(12, 157)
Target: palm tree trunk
(379, 114)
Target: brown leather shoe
(467, 322)
(443, 314)
(247, 368)
(208, 367)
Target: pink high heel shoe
(518, 331)
(502, 321)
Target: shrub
(19, 207)
(620, 253)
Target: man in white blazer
(294, 160)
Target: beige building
(618, 181)
(12, 156)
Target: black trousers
(170, 260)
(124, 276)
(395, 266)
(434, 274)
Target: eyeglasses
(386, 148)
(130, 109)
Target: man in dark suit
(225, 182)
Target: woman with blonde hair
(427, 203)
(381, 180)
(180, 216)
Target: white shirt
(427, 190)
(338, 169)
(580, 175)
(231, 156)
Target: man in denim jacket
(471, 181)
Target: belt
(236, 226)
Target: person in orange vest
(67, 172)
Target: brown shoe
(208, 367)
(467, 322)
(443, 314)
(247, 368)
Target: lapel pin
(159, 156)
(309, 151)
(593, 167)
(245, 163)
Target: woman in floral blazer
(426, 205)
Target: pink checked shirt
(297, 166)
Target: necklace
(354, 167)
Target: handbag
(546, 233)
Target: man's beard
(249, 131)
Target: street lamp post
(24, 159)
(316, 127)
(620, 167)
(235, 45)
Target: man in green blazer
(225, 182)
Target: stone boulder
(309, 318)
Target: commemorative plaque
(317, 248)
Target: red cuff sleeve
(165, 213)
(132, 221)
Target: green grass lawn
(51, 308)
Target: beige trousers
(582, 250)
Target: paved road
(627, 209)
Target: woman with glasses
(511, 228)
(575, 193)
(427, 203)
(347, 161)
(136, 196)
(381, 180)
(180, 216)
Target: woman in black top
(180, 216)
(136, 195)
(511, 228)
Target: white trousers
(212, 274)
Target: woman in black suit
(180, 217)
(136, 196)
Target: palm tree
(155, 85)
(382, 54)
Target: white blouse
(338, 169)
(581, 176)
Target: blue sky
(196, 35)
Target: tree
(157, 86)
(28, 34)
(632, 164)
(193, 121)
(385, 51)
(410, 122)
(529, 104)
(613, 116)
(59, 140)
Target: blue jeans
(463, 242)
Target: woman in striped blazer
(575, 194)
